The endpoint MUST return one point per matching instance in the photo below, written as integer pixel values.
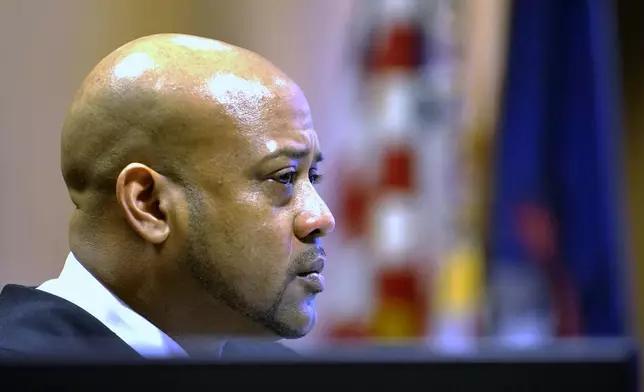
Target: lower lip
(314, 280)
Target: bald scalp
(159, 100)
(109, 130)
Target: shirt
(78, 286)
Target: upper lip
(316, 266)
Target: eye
(285, 178)
(288, 177)
(315, 178)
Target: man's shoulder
(36, 322)
(27, 307)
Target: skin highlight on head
(192, 166)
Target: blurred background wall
(363, 89)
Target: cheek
(257, 243)
(267, 249)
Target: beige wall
(48, 46)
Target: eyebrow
(294, 153)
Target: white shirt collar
(78, 286)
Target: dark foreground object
(569, 367)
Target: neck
(182, 309)
(170, 299)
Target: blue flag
(556, 209)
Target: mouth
(312, 277)
(316, 267)
(313, 282)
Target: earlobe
(140, 193)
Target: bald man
(192, 165)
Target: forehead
(267, 113)
(251, 101)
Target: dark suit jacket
(38, 325)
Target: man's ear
(144, 196)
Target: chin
(297, 325)
(292, 334)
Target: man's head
(192, 164)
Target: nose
(314, 219)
